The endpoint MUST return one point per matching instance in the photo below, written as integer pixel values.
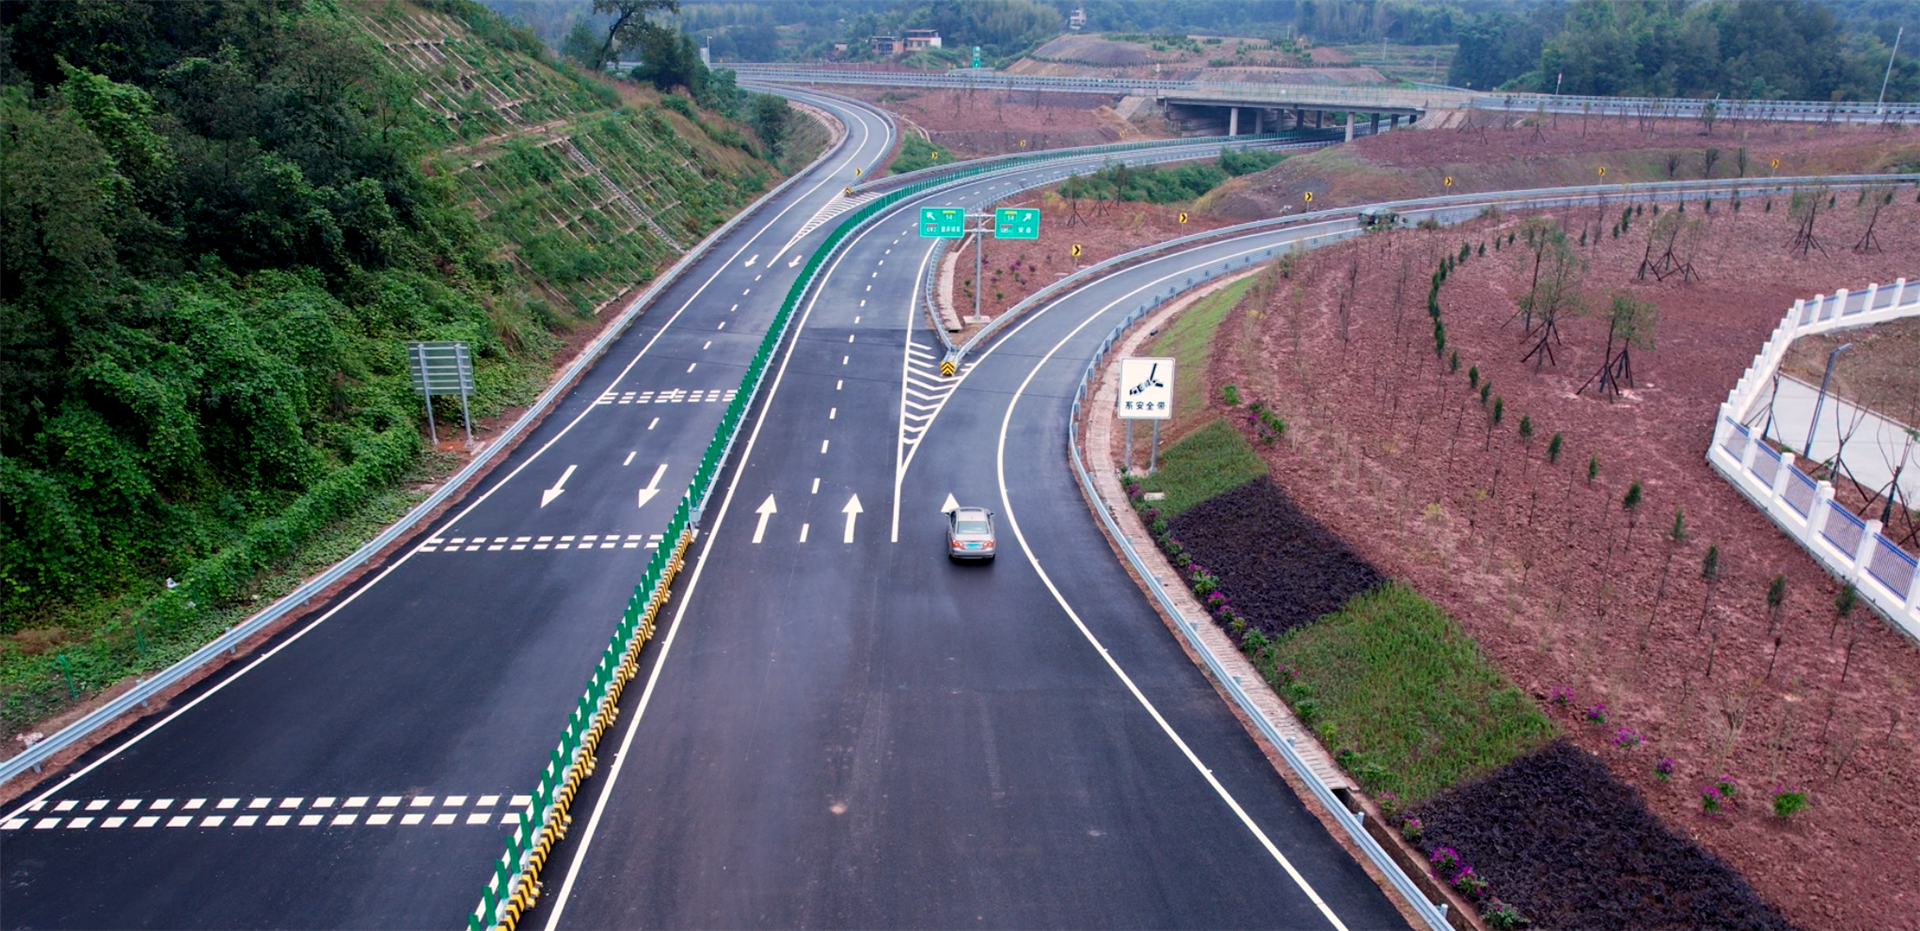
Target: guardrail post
(1778, 491)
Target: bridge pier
(1349, 125)
(1299, 119)
(1233, 121)
(1259, 117)
(1376, 124)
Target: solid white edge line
(227, 680)
(686, 598)
(1006, 504)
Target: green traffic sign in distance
(943, 222)
(1016, 223)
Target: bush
(1571, 847)
(1282, 567)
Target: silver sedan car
(970, 533)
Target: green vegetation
(1237, 162)
(1793, 49)
(221, 222)
(1402, 695)
(1208, 461)
(1190, 342)
(916, 153)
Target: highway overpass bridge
(1249, 107)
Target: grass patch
(1190, 342)
(1209, 461)
(917, 153)
(1402, 694)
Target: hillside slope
(222, 222)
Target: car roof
(975, 513)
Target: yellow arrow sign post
(1183, 216)
(1076, 248)
(1309, 197)
(946, 368)
(1448, 181)
(1603, 171)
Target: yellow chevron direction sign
(1076, 250)
(946, 368)
(1183, 216)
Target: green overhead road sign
(1016, 223)
(943, 222)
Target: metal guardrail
(1443, 208)
(1422, 97)
(929, 280)
(147, 689)
(1016, 159)
(1433, 914)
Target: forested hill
(220, 222)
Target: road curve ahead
(840, 728)
(356, 773)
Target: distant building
(1078, 20)
(884, 45)
(918, 39)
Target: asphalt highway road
(841, 728)
(433, 691)
(355, 773)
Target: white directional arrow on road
(765, 510)
(852, 510)
(653, 487)
(796, 260)
(547, 496)
(756, 258)
(951, 505)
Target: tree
(1630, 323)
(1804, 209)
(631, 23)
(1554, 294)
(1708, 114)
(583, 47)
(1676, 537)
(769, 120)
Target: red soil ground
(980, 123)
(1517, 548)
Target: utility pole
(1881, 106)
(1821, 399)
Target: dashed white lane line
(674, 396)
(843, 359)
(803, 539)
(831, 411)
(708, 346)
(690, 365)
(849, 337)
(585, 541)
(655, 423)
(823, 447)
(485, 810)
(630, 456)
(722, 326)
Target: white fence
(1887, 577)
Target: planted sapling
(1788, 801)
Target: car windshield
(971, 525)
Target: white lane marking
(656, 422)
(1013, 523)
(749, 262)
(832, 411)
(630, 456)
(653, 487)
(673, 629)
(722, 326)
(906, 371)
(849, 337)
(796, 260)
(816, 485)
(756, 277)
(746, 292)
(766, 511)
(691, 365)
(949, 506)
(708, 346)
(837, 383)
(733, 308)
(823, 446)
(843, 359)
(856, 318)
(803, 533)
(853, 511)
(547, 495)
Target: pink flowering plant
(1788, 800)
(1711, 801)
(1664, 768)
(1598, 713)
(1562, 696)
(1626, 737)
